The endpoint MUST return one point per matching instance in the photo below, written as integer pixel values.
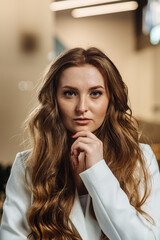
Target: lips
(82, 121)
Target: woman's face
(82, 98)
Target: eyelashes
(70, 93)
(96, 93)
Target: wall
(115, 34)
(21, 69)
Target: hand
(91, 147)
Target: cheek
(102, 109)
(61, 106)
(65, 110)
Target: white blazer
(115, 216)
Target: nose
(82, 105)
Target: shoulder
(21, 159)
(14, 224)
(17, 184)
(149, 157)
(19, 165)
(146, 149)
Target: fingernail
(73, 135)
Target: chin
(83, 128)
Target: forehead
(86, 74)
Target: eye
(69, 93)
(96, 93)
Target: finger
(86, 141)
(80, 147)
(84, 134)
(74, 158)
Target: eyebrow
(74, 88)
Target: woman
(87, 176)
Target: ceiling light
(69, 4)
(104, 9)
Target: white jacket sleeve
(116, 217)
(14, 224)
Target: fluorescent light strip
(104, 9)
(69, 4)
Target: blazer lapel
(87, 226)
(77, 218)
(93, 228)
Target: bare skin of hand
(91, 147)
(86, 151)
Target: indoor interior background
(29, 33)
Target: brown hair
(51, 175)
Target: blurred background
(32, 33)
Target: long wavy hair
(52, 182)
